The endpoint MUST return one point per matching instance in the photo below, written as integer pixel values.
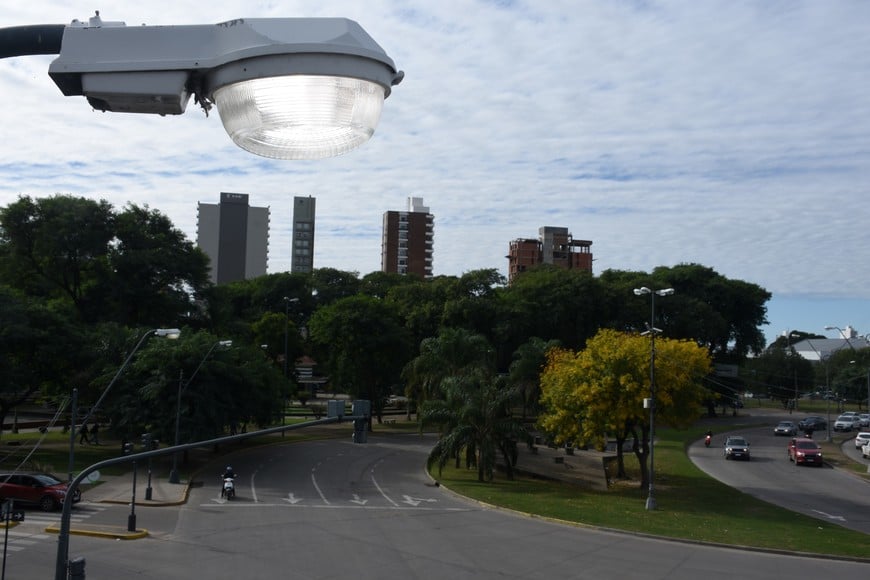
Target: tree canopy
(599, 391)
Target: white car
(845, 422)
(862, 439)
(865, 451)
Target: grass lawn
(691, 506)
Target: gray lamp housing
(288, 88)
(155, 69)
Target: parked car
(785, 428)
(865, 451)
(736, 448)
(805, 450)
(813, 422)
(845, 422)
(41, 489)
(862, 439)
(864, 420)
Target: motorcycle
(707, 440)
(228, 490)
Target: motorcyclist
(708, 437)
(229, 473)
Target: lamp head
(170, 333)
(285, 88)
(225, 343)
(665, 292)
(642, 290)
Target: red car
(40, 489)
(805, 450)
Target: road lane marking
(831, 517)
(381, 491)
(317, 487)
(415, 501)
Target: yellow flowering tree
(598, 392)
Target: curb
(185, 493)
(110, 532)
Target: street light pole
(825, 359)
(794, 368)
(287, 301)
(171, 333)
(651, 499)
(182, 386)
(849, 342)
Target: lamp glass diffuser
(300, 116)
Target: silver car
(845, 423)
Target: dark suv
(42, 489)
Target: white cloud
(733, 134)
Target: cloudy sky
(733, 134)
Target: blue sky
(733, 134)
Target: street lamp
(651, 498)
(791, 352)
(171, 333)
(173, 473)
(285, 88)
(825, 359)
(287, 302)
(849, 342)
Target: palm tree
(476, 419)
(525, 371)
(454, 352)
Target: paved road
(331, 509)
(832, 495)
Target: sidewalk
(117, 489)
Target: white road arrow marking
(830, 517)
(291, 499)
(358, 501)
(415, 501)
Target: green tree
(554, 304)
(35, 353)
(525, 371)
(221, 388)
(131, 267)
(56, 246)
(780, 372)
(476, 421)
(155, 271)
(455, 352)
(600, 391)
(363, 345)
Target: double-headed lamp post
(651, 497)
(173, 473)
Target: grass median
(691, 506)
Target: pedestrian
(95, 434)
(83, 435)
